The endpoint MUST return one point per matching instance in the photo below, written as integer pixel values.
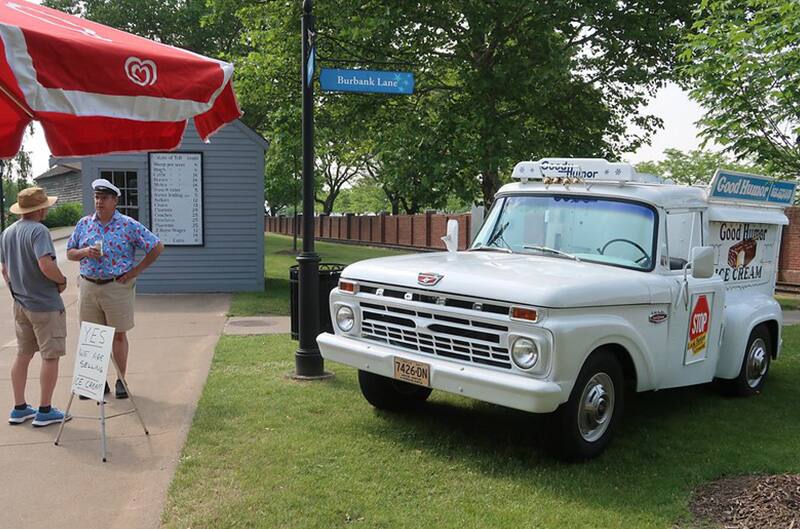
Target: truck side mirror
(451, 239)
(702, 262)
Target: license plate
(410, 371)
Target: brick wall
(425, 231)
(789, 263)
(422, 231)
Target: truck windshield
(601, 230)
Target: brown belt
(98, 281)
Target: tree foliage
(695, 167)
(743, 60)
(496, 82)
(189, 24)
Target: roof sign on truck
(731, 186)
(579, 168)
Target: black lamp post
(309, 364)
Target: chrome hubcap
(596, 407)
(757, 362)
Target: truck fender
(740, 320)
(586, 335)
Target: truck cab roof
(600, 178)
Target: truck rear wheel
(390, 394)
(586, 423)
(755, 365)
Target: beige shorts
(45, 332)
(109, 304)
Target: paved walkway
(791, 317)
(68, 486)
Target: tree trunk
(490, 184)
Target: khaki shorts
(109, 304)
(45, 332)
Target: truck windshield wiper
(552, 250)
(497, 236)
(490, 249)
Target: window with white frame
(127, 182)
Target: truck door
(696, 310)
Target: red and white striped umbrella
(98, 90)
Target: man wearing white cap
(29, 268)
(105, 243)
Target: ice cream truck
(587, 281)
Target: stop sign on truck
(698, 329)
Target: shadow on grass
(668, 442)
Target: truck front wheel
(755, 365)
(585, 423)
(390, 394)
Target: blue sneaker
(20, 416)
(52, 417)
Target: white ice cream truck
(586, 278)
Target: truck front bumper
(488, 385)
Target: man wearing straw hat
(30, 270)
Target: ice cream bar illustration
(741, 253)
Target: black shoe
(119, 390)
(105, 392)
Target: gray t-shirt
(21, 247)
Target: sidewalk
(68, 486)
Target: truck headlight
(345, 318)
(524, 353)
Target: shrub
(64, 215)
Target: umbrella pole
(2, 196)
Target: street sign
(366, 81)
(311, 66)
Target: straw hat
(30, 200)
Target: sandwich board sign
(91, 360)
(89, 378)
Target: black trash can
(328, 280)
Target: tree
(364, 196)
(519, 80)
(497, 81)
(741, 60)
(14, 176)
(696, 167)
(190, 24)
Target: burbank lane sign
(366, 81)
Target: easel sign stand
(89, 377)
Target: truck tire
(390, 394)
(755, 365)
(585, 424)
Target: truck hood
(525, 279)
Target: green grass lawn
(266, 451)
(278, 257)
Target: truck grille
(426, 332)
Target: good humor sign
(91, 360)
(736, 187)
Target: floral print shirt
(121, 237)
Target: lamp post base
(324, 376)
